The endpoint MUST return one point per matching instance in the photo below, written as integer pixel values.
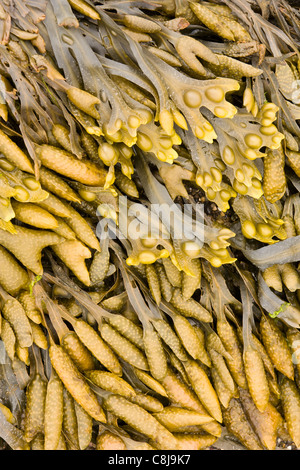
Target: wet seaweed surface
(149, 225)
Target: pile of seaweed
(149, 224)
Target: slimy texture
(149, 225)
(13, 277)
(75, 383)
(68, 165)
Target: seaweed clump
(149, 224)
